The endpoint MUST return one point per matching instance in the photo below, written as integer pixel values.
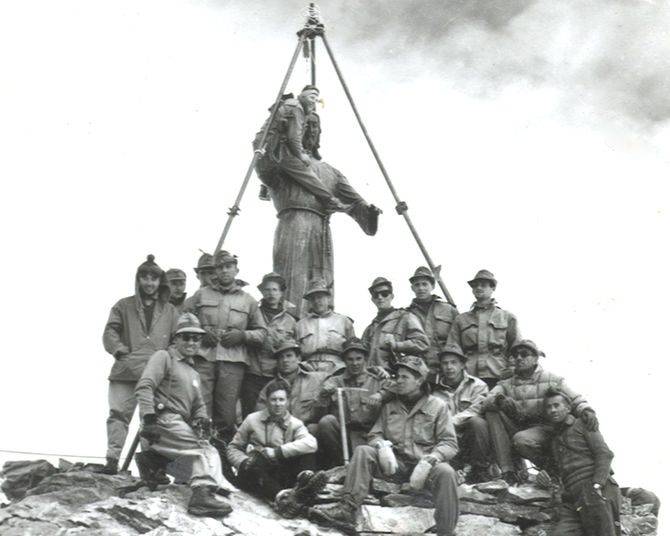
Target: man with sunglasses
(393, 331)
(175, 421)
(436, 317)
(486, 332)
(515, 412)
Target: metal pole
(235, 209)
(131, 452)
(312, 55)
(401, 206)
(343, 426)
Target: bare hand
(375, 400)
(269, 453)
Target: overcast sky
(528, 137)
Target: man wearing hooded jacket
(138, 326)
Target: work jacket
(399, 325)
(170, 379)
(580, 455)
(304, 394)
(358, 414)
(436, 319)
(485, 334)
(220, 312)
(528, 393)
(466, 400)
(260, 430)
(425, 429)
(321, 336)
(279, 327)
(126, 330)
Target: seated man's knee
(524, 443)
(328, 423)
(364, 451)
(443, 470)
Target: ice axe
(343, 420)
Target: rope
(51, 454)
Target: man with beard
(393, 331)
(280, 324)
(303, 248)
(175, 421)
(486, 332)
(436, 317)
(233, 324)
(515, 413)
(413, 439)
(137, 327)
(272, 450)
(323, 331)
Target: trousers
(584, 513)
(364, 466)
(474, 442)
(122, 402)
(511, 441)
(330, 441)
(269, 478)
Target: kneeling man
(413, 439)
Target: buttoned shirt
(465, 400)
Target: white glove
(387, 462)
(418, 478)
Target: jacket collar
(282, 422)
(491, 305)
(172, 350)
(467, 378)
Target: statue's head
(312, 135)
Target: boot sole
(315, 486)
(327, 521)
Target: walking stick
(343, 420)
(131, 452)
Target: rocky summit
(73, 500)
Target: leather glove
(150, 429)
(507, 406)
(418, 477)
(327, 389)
(387, 461)
(543, 479)
(209, 340)
(590, 420)
(231, 338)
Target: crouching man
(413, 439)
(591, 497)
(272, 451)
(174, 417)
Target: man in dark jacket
(137, 327)
(436, 317)
(413, 439)
(591, 497)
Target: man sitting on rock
(304, 385)
(514, 411)
(175, 421)
(591, 497)
(362, 397)
(464, 396)
(413, 438)
(272, 450)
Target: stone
(638, 526)
(469, 493)
(19, 476)
(525, 493)
(472, 525)
(336, 474)
(521, 514)
(405, 499)
(494, 486)
(640, 496)
(384, 487)
(543, 529)
(401, 520)
(486, 510)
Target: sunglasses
(522, 354)
(190, 337)
(381, 294)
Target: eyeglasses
(381, 294)
(190, 337)
(522, 354)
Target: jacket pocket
(469, 337)
(443, 321)
(424, 428)
(498, 340)
(238, 318)
(208, 313)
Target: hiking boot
(289, 502)
(203, 503)
(510, 477)
(477, 475)
(111, 467)
(341, 516)
(151, 466)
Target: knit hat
(149, 267)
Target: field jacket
(219, 312)
(259, 430)
(485, 334)
(466, 401)
(321, 336)
(279, 327)
(436, 321)
(426, 429)
(398, 325)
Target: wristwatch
(596, 486)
